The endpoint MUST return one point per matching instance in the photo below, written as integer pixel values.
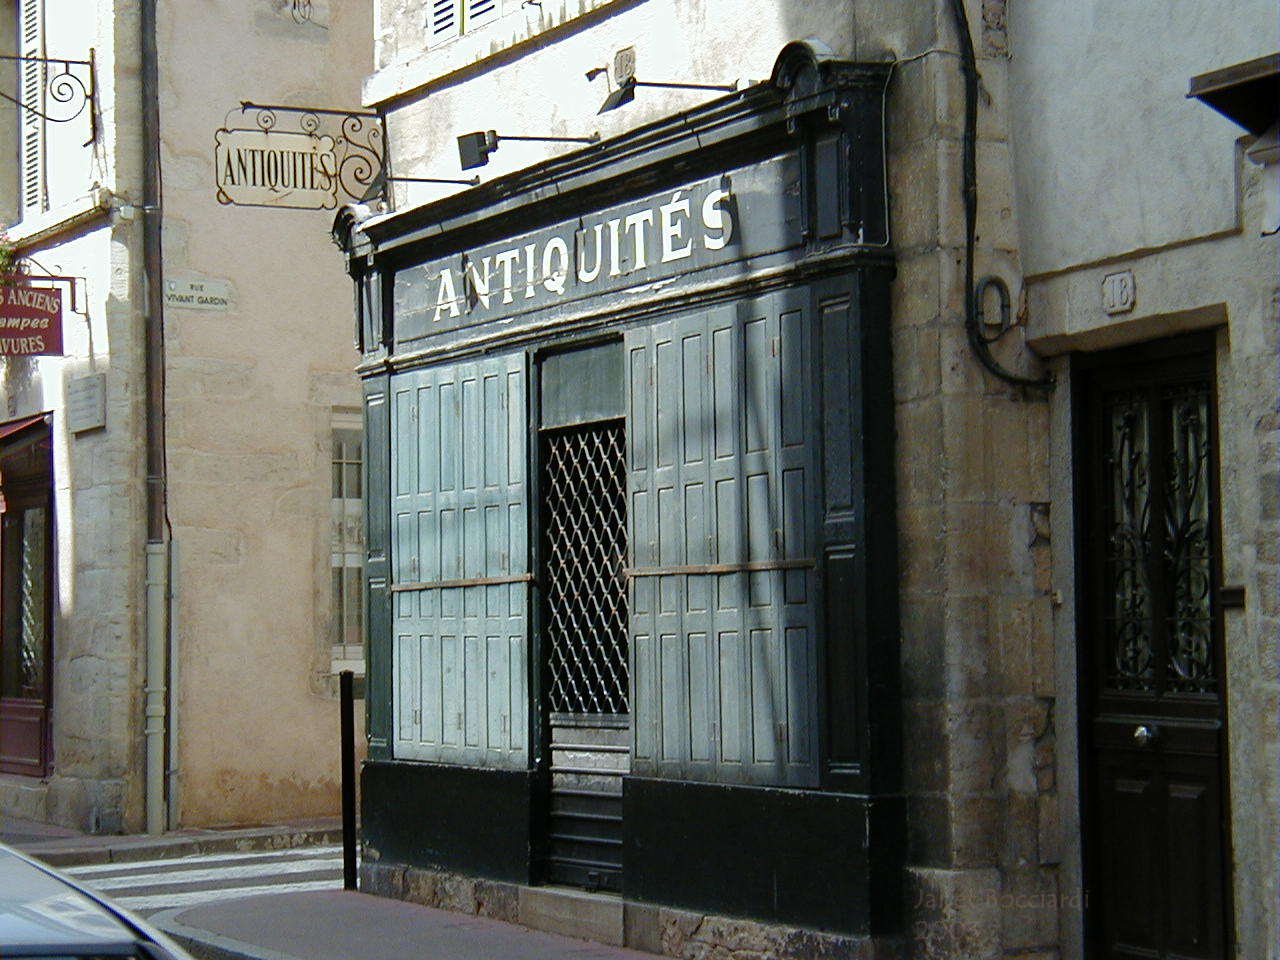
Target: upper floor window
(47, 122)
(347, 543)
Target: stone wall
(682, 934)
(251, 393)
(975, 529)
(91, 232)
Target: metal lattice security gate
(586, 538)
(585, 636)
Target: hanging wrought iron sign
(332, 157)
(30, 319)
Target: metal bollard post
(346, 700)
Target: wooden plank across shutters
(460, 588)
(723, 475)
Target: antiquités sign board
(275, 168)
(656, 239)
(332, 156)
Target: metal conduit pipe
(155, 728)
(977, 342)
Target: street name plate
(198, 294)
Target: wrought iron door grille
(1159, 561)
(584, 506)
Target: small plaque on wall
(87, 403)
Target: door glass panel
(1188, 557)
(25, 588)
(1130, 665)
(35, 639)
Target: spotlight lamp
(626, 91)
(474, 148)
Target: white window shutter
(479, 12)
(443, 21)
(35, 193)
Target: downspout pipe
(155, 726)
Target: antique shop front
(632, 578)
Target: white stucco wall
(1111, 155)
(545, 91)
(1117, 171)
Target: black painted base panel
(805, 858)
(460, 819)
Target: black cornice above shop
(832, 110)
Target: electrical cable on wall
(980, 344)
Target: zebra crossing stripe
(231, 872)
(177, 863)
(201, 897)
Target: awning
(1247, 93)
(14, 427)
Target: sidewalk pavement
(340, 925)
(325, 925)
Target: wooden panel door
(1154, 704)
(26, 598)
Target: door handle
(1143, 734)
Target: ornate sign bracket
(71, 86)
(315, 167)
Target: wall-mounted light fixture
(626, 91)
(474, 148)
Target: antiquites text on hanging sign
(30, 321)
(276, 168)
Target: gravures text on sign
(30, 321)
(276, 168)
(649, 240)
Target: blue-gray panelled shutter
(459, 506)
(35, 195)
(723, 472)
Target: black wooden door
(1154, 701)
